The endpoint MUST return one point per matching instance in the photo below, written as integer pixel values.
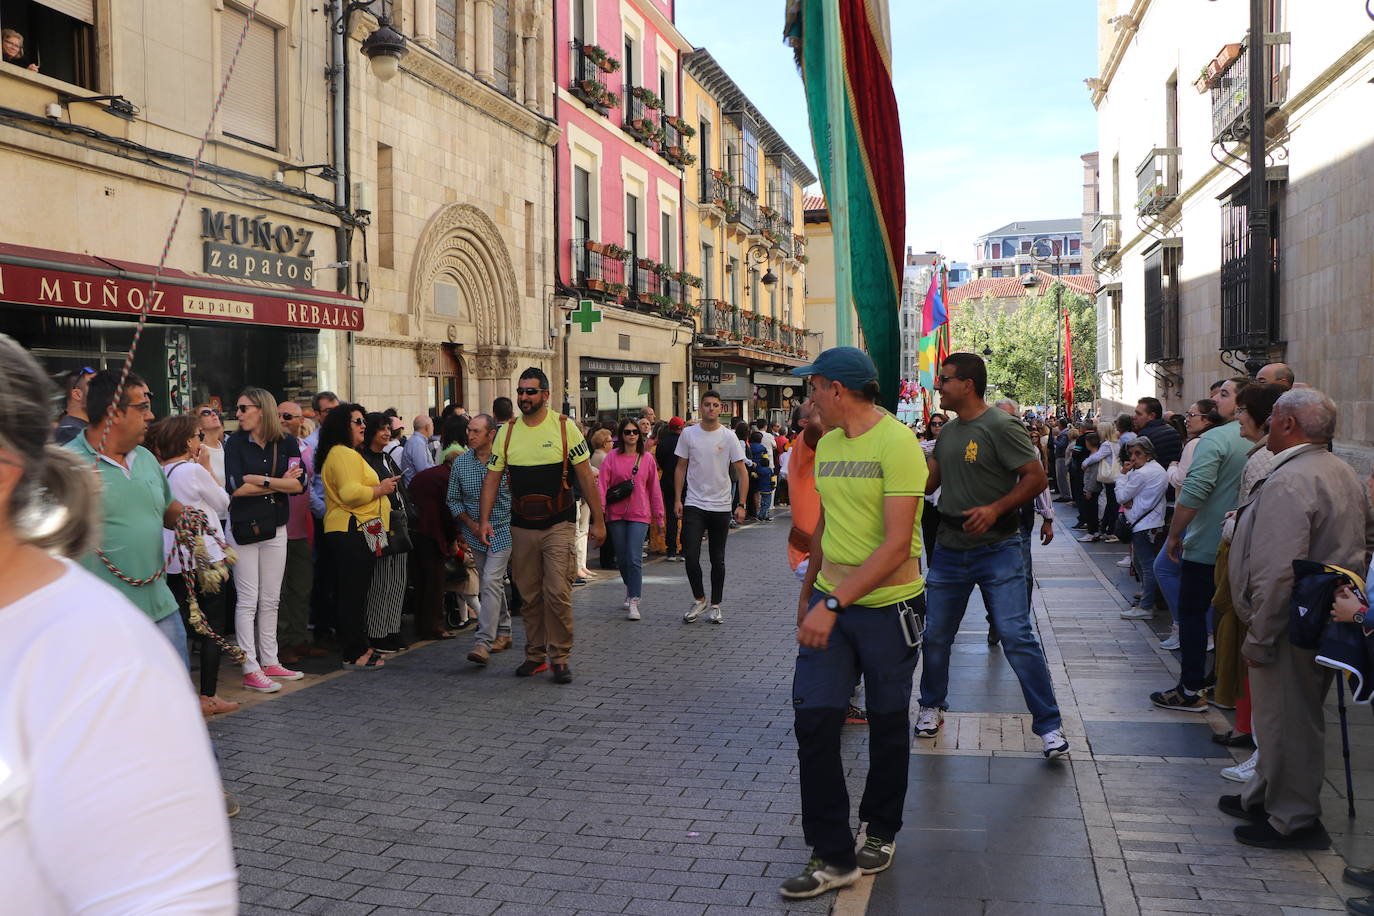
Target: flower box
(614, 252)
(597, 55)
(594, 247)
(596, 283)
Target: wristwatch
(833, 604)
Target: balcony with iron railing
(641, 121)
(1157, 181)
(586, 82)
(597, 271)
(1228, 79)
(743, 208)
(1106, 236)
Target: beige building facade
(1171, 244)
(409, 272)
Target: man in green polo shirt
(138, 504)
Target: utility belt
(907, 573)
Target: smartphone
(913, 624)
(292, 463)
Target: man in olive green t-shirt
(986, 469)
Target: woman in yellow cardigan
(356, 518)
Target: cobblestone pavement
(663, 781)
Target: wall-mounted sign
(618, 367)
(255, 248)
(706, 371)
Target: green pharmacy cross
(586, 315)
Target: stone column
(426, 23)
(483, 39)
(530, 44)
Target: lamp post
(384, 48)
(1058, 260)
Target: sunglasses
(209, 413)
(289, 416)
(358, 421)
(243, 408)
(528, 392)
(936, 424)
(948, 378)
(629, 431)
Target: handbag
(402, 519)
(621, 491)
(1109, 468)
(1126, 530)
(256, 521)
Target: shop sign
(255, 248)
(706, 371)
(775, 378)
(173, 298)
(618, 367)
(734, 382)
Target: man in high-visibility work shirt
(861, 610)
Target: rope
(200, 573)
(152, 289)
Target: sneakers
(1241, 772)
(1110, 539)
(479, 655)
(1089, 538)
(1056, 745)
(1170, 643)
(625, 605)
(1124, 562)
(855, 716)
(501, 644)
(1137, 613)
(816, 879)
(696, 610)
(632, 609)
(1176, 698)
(562, 674)
(875, 855)
(715, 616)
(256, 680)
(283, 674)
(928, 721)
(530, 668)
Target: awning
(749, 355)
(63, 279)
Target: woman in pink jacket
(627, 519)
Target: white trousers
(257, 578)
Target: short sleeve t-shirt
(853, 478)
(978, 460)
(535, 463)
(710, 455)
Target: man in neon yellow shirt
(860, 612)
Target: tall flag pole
(844, 54)
(942, 349)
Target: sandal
(374, 661)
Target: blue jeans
(628, 538)
(1000, 574)
(1168, 579)
(1145, 544)
(867, 641)
(175, 631)
(766, 506)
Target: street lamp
(1057, 258)
(759, 254)
(384, 47)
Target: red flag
(1068, 362)
(942, 346)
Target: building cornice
(663, 25)
(1123, 42)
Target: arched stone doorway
(463, 290)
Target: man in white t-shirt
(708, 452)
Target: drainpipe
(338, 129)
(1260, 264)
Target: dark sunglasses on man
(528, 392)
(209, 412)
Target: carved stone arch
(463, 246)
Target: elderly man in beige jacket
(1311, 506)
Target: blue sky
(994, 110)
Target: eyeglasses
(243, 408)
(949, 378)
(936, 424)
(528, 392)
(289, 416)
(142, 407)
(1192, 415)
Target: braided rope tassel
(202, 574)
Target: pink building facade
(620, 195)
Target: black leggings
(716, 526)
(212, 606)
(353, 566)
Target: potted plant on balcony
(617, 291)
(597, 55)
(729, 206)
(645, 95)
(614, 251)
(596, 283)
(768, 212)
(802, 259)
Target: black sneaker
(1263, 835)
(530, 669)
(562, 674)
(816, 879)
(1179, 699)
(875, 855)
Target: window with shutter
(249, 111)
(83, 10)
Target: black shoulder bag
(621, 491)
(1126, 530)
(253, 519)
(403, 519)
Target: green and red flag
(845, 57)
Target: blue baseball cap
(850, 366)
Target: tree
(1022, 336)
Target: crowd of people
(324, 526)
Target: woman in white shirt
(109, 798)
(186, 462)
(1142, 490)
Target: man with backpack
(540, 452)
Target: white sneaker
(1124, 562)
(928, 721)
(1088, 538)
(1056, 745)
(696, 610)
(1172, 642)
(715, 616)
(632, 609)
(1241, 771)
(626, 605)
(1137, 613)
